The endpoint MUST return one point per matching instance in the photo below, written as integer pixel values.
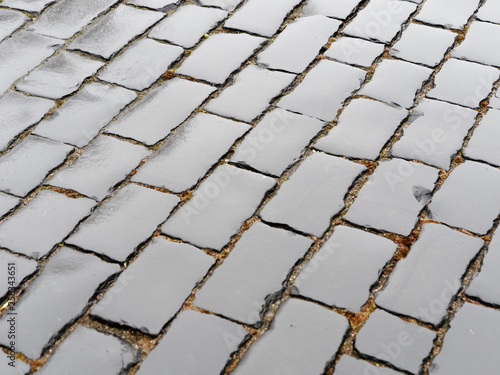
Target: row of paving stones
(304, 335)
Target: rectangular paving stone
(190, 152)
(67, 17)
(20, 368)
(14, 270)
(420, 286)
(155, 4)
(477, 46)
(250, 93)
(82, 116)
(323, 90)
(205, 339)
(354, 51)
(332, 8)
(21, 53)
(234, 291)
(55, 298)
(436, 133)
(297, 46)
(393, 196)
(219, 207)
(483, 144)
(33, 6)
(423, 45)
(161, 110)
(468, 198)
(342, 272)
(380, 20)
(447, 13)
(470, 346)
(19, 112)
(187, 25)
(117, 227)
(48, 219)
(489, 11)
(277, 141)
(314, 193)
(7, 203)
(383, 334)
(141, 64)
(112, 32)
(363, 128)
(168, 271)
(10, 21)
(219, 56)
(397, 82)
(282, 349)
(86, 351)
(61, 75)
(495, 101)
(29, 162)
(463, 82)
(100, 167)
(228, 5)
(270, 15)
(352, 366)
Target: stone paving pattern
(250, 187)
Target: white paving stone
(447, 13)
(323, 90)
(155, 4)
(7, 203)
(20, 368)
(331, 8)
(250, 94)
(309, 199)
(10, 21)
(490, 11)
(354, 51)
(234, 290)
(477, 46)
(35, 6)
(393, 196)
(224, 4)
(483, 144)
(14, 267)
(297, 46)
(352, 366)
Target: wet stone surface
(477, 44)
(100, 167)
(483, 145)
(423, 45)
(297, 46)
(343, 270)
(21, 53)
(471, 343)
(323, 90)
(206, 340)
(108, 35)
(29, 162)
(59, 76)
(19, 112)
(187, 25)
(363, 129)
(168, 271)
(162, 109)
(83, 115)
(141, 64)
(86, 351)
(23, 268)
(282, 349)
(234, 291)
(10, 21)
(419, 286)
(270, 16)
(436, 133)
(218, 208)
(277, 141)
(250, 94)
(386, 337)
(117, 227)
(468, 198)
(67, 17)
(447, 13)
(56, 297)
(393, 196)
(331, 8)
(352, 366)
(48, 218)
(7, 202)
(354, 51)
(396, 82)
(463, 82)
(483, 286)
(219, 56)
(186, 156)
(313, 194)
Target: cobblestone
(10, 22)
(482, 145)
(355, 51)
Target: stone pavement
(249, 187)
